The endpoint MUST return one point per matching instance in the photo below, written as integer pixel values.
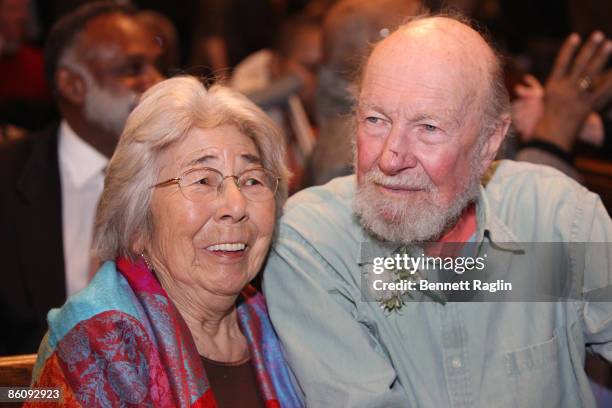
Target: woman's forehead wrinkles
(209, 158)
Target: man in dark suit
(98, 60)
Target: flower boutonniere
(393, 301)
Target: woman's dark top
(233, 384)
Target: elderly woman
(185, 223)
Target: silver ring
(585, 83)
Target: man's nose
(151, 77)
(398, 153)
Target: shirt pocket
(535, 376)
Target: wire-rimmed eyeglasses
(205, 183)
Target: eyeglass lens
(206, 184)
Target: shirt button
(456, 362)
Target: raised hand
(577, 85)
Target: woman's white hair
(164, 116)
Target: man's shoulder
(540, 203)
(321, 212)
(512, 177)
(16, 154)
(505, 169)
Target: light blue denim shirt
(347, 352)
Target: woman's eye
(252, 182)
(203, 181)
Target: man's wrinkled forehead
(430, 49)
(444, 34)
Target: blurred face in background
(303, 59)
(119, 58)
(13, 21)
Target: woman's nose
(232, 204)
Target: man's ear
(275, 65)
(493, 143)
(71, 86)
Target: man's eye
(430, 128)
(130, 69)
(373, 120)
(135, 68)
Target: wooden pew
(16, 371)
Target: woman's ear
(139, 245)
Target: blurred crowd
(295, 59)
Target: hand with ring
(578, 85)
(528, 108)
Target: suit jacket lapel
(40, 225)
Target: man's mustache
(412, 180)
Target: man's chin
(108, 110)
(388, 217)
(415, 220)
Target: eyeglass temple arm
(167, 182)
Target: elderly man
(431, 114)
(98, 60)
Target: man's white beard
(107, 109)
(408, 220)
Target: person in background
(228, 31)
(98, 59)
(184, 224)
(25, 100)
(167, 38)
(21, 65)
(349, 28)
(297, 51)
(551, 119)
(296, 56)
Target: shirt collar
(491, 229)
(80, 160)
